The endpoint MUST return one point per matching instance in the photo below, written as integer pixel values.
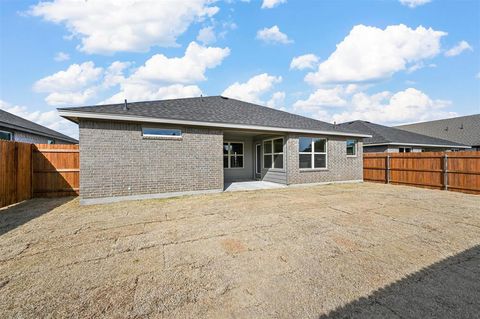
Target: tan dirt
(352, 250)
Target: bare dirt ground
(359, 250)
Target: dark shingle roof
(213, 109)
(463, 129)
(18, 123)
(388, 135)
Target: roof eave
(75, 115)
(418, 144)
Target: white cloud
(206, 35)
(322, 98)
(277, 101)
(306, 61)
(61, 56)
(158, 78)
(273, 35)
(50, 119)
(164, 78)
(269, 4)
(187, 69)
(458, 49)
(347, 103)
(253, 89)
(109, 26)
(369, 53)
(71, 86)
(393, 108)
(414, 3)
(75, 77)
(148, 92)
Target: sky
(385, 61)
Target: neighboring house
(192, 145)
(464, 130)
(389, 139)
(15, 128)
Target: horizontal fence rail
(37, 170)
(456, 171)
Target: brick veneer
(339, 166)
(115, 160)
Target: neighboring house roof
(215, 111)
(384, 135)
(463, 129)
(18, 123)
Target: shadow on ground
(447, 289)
(16, 215)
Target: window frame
(405, 149)
(229, 155)
(355, 148)
(312, 153)
(165, 137)
(273, 153)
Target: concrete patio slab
(251, 185)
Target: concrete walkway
(251, 185)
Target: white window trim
(356, 148)
(272, 154)
(313, 168)
(162, 137)
(229, 155)
(11, 135)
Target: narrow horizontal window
(161, 132)
(7, 136)
(351, 148)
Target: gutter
(414, 144)
(71, 115)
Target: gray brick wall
(115, 160)
(30, 138)
(339, 166)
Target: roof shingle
(214, 109)
(389, 135)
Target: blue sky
(386, 61)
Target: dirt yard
(359, 250)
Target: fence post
(445, 171)
(387, 169)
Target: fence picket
(455, 171)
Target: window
(273, 153)
(161, 132)
(5, 136)
(404, 149)
(351, 148)
(232, 155)
(312, 153)
(51, 142)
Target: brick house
(196, 145)
(16, 128)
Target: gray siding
(340, 167)
(115, 160)
(245, 173)
(275, 176)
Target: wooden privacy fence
(456, 171)
(37, 170)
